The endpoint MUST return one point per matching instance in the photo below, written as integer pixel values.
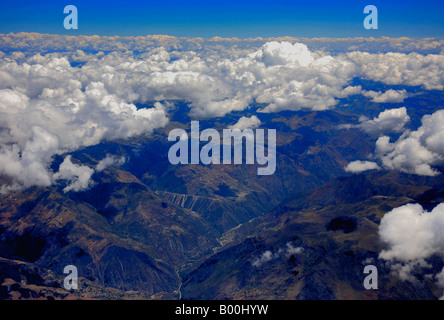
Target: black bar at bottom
(217, 309)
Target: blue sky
(193, 18)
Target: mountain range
(151, 230)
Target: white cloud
(360, 166)
(416, 151)
(390, 120)
(291, 249)
(77, 176)
(284, 53)
(393, 68)
(265, 257)
(405, 270)
(50, 108)
(83, 106)
(390, 96)
(247, 123)
(28, 166)
(313, 85)
(412, 235)
(108, 161)
(349, 91)
(44, 43)
(268, 255)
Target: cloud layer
(48, 107)
(119, 87)
(49, 43)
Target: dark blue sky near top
(243, 19)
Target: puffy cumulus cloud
(222, 76)
(390, 120)
(415, 151)
(27, 166)
(361, 166)
(390, 96)
(108, 161)
(288, 250)
(350, 91)
(12, 102)
(314, 85)
(284, 53)
(49, 107)
(247, 123)
(412, 235)
(393, 68)
(77, 176)
(281, 75)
